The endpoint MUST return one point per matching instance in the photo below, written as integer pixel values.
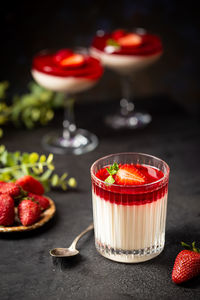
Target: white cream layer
(131, 227)
(124, 64)
(62, 84)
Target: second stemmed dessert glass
(69, 73)
(126, 53)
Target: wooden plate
(44, 218)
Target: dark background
(29, 26)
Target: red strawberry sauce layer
(154, 187)
(46, 62)
(150, 44)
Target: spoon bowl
(63, 252)
(71, 251)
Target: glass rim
(162, 179)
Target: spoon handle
(73, 245)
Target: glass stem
(69, 126)
(126, 106)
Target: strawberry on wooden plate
(129, 175)
(7, 213)
(30, 184)
(28, 212)
(10, 188)
(42, 200)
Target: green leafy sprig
(30, 109)
(14, 165)
(112, 170)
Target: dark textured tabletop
(169, 90)
(27, 270)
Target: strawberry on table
(43, 201)
(7, 213)
(28, 212)
(129, 175)
(187, 264)
(10, 188)
(30, 184)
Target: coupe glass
(126, 116)
(129, 221)
(69, 139)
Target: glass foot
(132, 120)
(82, 142)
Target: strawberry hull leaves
(14, 165)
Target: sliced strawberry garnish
(129, 175)
(75, 60)
(130, 39)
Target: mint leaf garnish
(110, 180)
(112, 170)
(111, 42)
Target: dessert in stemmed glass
(125, 53)
(68, 72)
(129, 194)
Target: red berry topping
(118, 34)
(62, 54)
(28, 212)
(186, 266)
(7, 213)
(43, 201)
(129, 175)
(30, 184)
(10, 188)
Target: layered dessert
(129, 209)
(66, 71)
(126, 52)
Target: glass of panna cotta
(126, 53)
(129, 192)
(67, 72)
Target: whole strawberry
(30, 184)
(10, 188)
(28, 212)
(187, 264)
(7, 213)
(43, 201)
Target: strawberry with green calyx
(29, 212)
(112, 170)
(187, 264)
